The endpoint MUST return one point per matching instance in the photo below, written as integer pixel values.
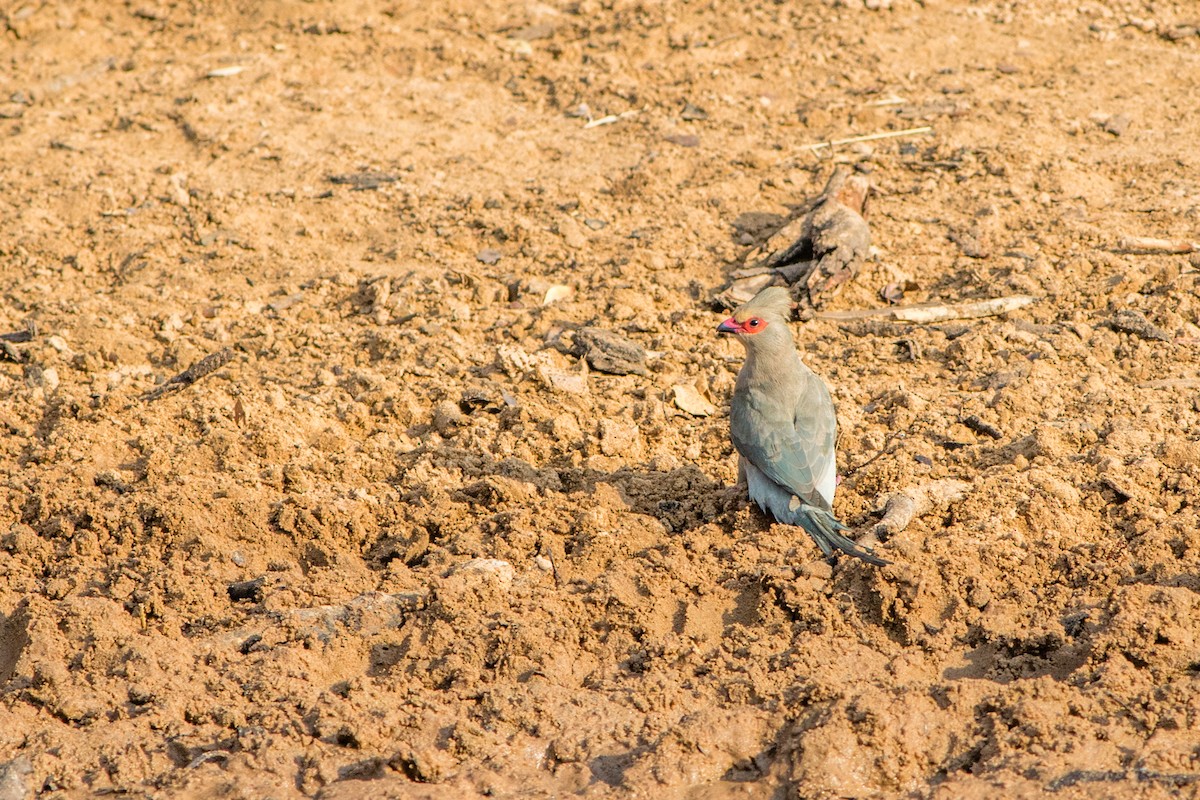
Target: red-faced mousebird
(784, 427)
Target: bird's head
(768, 309)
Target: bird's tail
(825, 530)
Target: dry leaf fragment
(691, 401)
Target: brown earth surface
(405, 544)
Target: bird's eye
(754, 322)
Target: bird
(784, 426)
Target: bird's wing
(791, 442)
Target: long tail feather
(825, 531)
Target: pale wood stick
(906, 505)
(610, 119)
(1148, 245)
(870, 137)
(934, 312)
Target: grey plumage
(784, 426)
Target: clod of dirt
(554, 375)
(488, 256)
(251, 590)
(447, 416)
(487, 568)
(608, 351)
(1117, 124)
(1128, 320)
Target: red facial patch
(750, 326)
(754, 325)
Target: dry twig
(21, 336)
(870, 137)
(816, 253)
(610, 119)
(205, 366)
(1147, 245)
(934, 312)
(904, 506)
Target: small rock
(247, 590)
(608, 351)
(534, 32)
(16, 779)
(683, 139)
(979, 595)
(569, 229)
(1117, 124)
(690, 400)
(425, 765)
(1129, 321)
(1120, 484)
(47, 377)
(488, 256)
(446, 417)
(555, 293)
(1179, 32)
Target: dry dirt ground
(401, 544)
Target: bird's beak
(729, 326)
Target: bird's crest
(774, 300)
